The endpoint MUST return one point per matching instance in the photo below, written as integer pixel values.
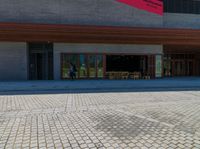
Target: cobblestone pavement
(146, 120)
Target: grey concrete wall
(178, 20)
(90, 12)
(84, 12)
(100, 48)
(13, 61)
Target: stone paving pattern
(135, 120)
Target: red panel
(154, 6)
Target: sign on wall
(154, 6)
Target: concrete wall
(100, 48)
(178, 20)
(13, 61)
(90, 12)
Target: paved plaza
(101, 120)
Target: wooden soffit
(97, 34)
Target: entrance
(181, 61)
(130, 66)
(40, 61)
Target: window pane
(67, 59)
(65, 65)
(83, 66)
(167, 67)
(100, 66)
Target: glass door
(40, 61)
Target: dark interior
(128, 63)
(40, 61)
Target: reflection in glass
(65, 66)
(167, 68)
(88, 66)
(67, 59)
(83, 66)
(100, 66)
(74, 61)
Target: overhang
(21, 32)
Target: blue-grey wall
(180, 20)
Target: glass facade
(100, 66)
(94, 66)
(179, 64)
(83, 73)
(66, 60)
(87, 65)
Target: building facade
(102, 38)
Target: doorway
(40, 61)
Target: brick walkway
(101, 120)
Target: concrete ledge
(103, 85)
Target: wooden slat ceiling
(97, 34)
